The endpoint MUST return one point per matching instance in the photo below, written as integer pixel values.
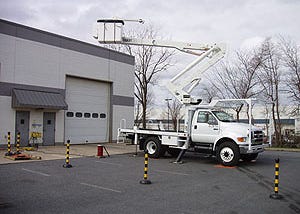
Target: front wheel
(228, 154)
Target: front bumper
(244, 149)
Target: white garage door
(88, 111)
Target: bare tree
(149, 62)
(291, 61)
(174, 109)
(270, 77)
(138, 115)
(209, 93)
(237, 80)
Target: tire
(249, 157)
(154, 147)
(173, 152)
(228, 154)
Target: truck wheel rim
(151, 147)
(226, 154)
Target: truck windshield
(223, 116)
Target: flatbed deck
(154, 132)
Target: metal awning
(38, 99)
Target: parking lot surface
(111, 185)
(76, 151)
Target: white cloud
(251, 43)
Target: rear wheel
(228, 154)
(154, 147)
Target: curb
(283, 149)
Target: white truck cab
(212, 128)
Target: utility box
(169, 140)
(108, 30)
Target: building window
(70, 114)
(87, 115)
(78, 114)
(102, 115)
(95, 115)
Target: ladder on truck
(121, 136)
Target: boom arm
(109, 31)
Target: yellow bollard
(18, 143)
(145, 180)
(275, 195)
(9, 153)
(67, 164)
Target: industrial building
(54, 88)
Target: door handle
(195, 126)
(215, 128)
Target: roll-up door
(88, 110)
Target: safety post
(145, 180)
(67, 164)
(9, 153)
(100, 151)
(18, 143)
(275, 195)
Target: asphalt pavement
(112, 185)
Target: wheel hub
(227, 154)
(151, 147)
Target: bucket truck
(207, 129)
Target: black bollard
(145, 180)
(9, 153)
(18, 143)
(276, 195)
(67, 164)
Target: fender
(224, 138)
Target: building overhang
(38, 100)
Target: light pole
(168, 99)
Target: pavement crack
(294, 208)
(255, 176)
(288, 194)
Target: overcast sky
(239, 23)
(236, 22)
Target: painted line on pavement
(170, 172)
(36, 172)
(104, 162)
(100, 187)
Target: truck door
(205, 127)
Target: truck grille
(257, 137)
